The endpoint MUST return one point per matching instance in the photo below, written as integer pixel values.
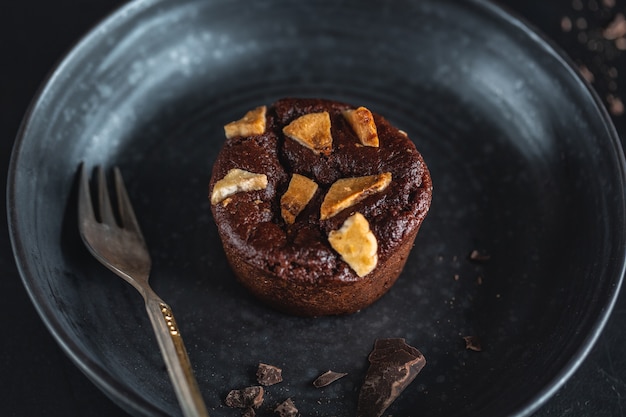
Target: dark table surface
(38, 379)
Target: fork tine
(127, 214)
(85, 206)
(105, 209)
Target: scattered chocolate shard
(287, 409)
(472, 343)
(268, 375)
(393, 366)
(249, 397)
(327, 378)
(478, 256)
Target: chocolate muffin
(317, 204)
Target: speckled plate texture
(525, 164)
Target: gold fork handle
(175, 356)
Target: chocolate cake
(317, 204)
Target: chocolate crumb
(616, 106)
(586, 73)
(615, 29)
(566, 24)
(327, 378)
(477, 256)
(286, 409)
(472, 343)
(268, 375)
(393, 366)
(249, 397)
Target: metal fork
(122, 249)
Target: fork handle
(175, 357)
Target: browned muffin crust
(292, 266)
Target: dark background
(38, 379)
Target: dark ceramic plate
(525, 163)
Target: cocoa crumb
(472, 343)
(616, 106)
(616, 29)
(566, 24)
(586, 73)
(478, 256)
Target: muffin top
(293, 174)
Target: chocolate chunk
(250, 397)
(393, 366)
(327, 378)
(268, 375)
(287, 409)
(472, 343)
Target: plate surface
(525, 166)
